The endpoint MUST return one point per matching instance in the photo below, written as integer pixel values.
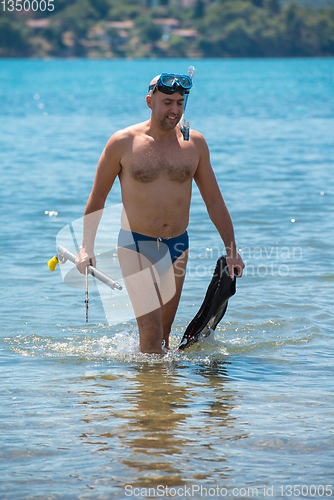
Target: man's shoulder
(197, 135)
(128, 133)
(122, 139)
(198, 138)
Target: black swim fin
(214, 306)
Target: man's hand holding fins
(235, 264)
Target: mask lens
(184, 81)
(168, 80)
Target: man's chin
(169, 124)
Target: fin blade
(213, 308)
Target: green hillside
(167, 28)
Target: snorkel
(184, 125)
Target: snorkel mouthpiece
(185, 129)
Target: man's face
(167, 109)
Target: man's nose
(174, 108)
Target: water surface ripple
(246, 413)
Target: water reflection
(163, 423)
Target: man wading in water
(156, 166)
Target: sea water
(247, 413)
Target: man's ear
(149, 101)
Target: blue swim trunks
(162, 252)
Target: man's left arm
(217, 210)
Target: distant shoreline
(129, 59)
(195, 29)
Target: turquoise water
(246, 414)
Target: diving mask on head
(168, 83)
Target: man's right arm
(108, 168)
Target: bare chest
(146, 164)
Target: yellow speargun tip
(52, 263)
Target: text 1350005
(27, 5)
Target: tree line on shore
(166, 28)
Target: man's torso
(156, 179)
